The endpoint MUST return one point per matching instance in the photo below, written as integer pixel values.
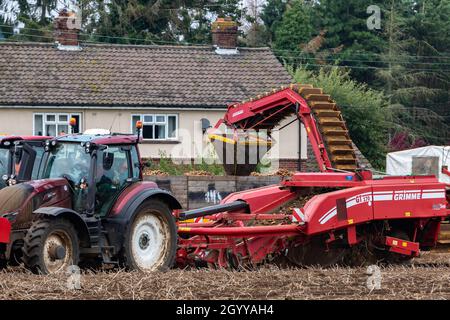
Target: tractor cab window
(68, 160)
(113, 172)
(4, 160)
(37, 162)
(135, 162)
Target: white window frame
(166, 123)
(56, 122)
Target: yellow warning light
(184, 229)
(407, 214)
(350, 221)
(404, 244)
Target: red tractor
(90, 204)
(20, 158)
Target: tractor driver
(65, 168)
(110, 180)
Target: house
(174, 90)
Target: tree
(271, 15)
(159, 21)
(295, 28)
(340, 28)
(418, 76)
(43, 9)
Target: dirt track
(419, 281)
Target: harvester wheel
(50, 246)
(151, 238)
(315, 253)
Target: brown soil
(421, 280)
(198, 173)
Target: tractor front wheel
(50, 246)
(151, 238)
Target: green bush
(167, 165)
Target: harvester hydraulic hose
(206, 211)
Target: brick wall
(200, 191)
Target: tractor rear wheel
(50, 246)
(151, 238)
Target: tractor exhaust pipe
(207, 211)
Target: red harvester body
(391, 218)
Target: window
(55, 124)
(113, 171)
(136, 163)
(4, 160)
(69, 160)
(156, 126)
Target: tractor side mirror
(108, 160)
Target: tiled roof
(118, 75)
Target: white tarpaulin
(425, 160)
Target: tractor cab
(20, 158)
(97, 166)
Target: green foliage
(418, 80)
(295, 28)
(167, 165)
(407, 58)
(363, 109)
(44, 7)
(330, 32)
(214, 169)
(256, 36)
(159, 21)
(271, 14)
(34, 30)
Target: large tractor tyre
(3, 260)
(50, 246)
(151, 238)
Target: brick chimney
(67, 26)
(224, 33)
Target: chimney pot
(67, 28)
(224, 33)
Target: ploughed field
(427, 277)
